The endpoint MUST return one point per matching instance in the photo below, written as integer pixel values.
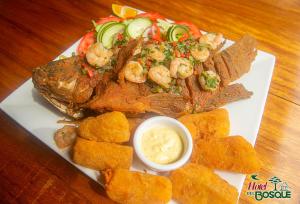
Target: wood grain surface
(35, 32)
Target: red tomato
(184, 37)
(156, 32)
(193, 29)
(177, 53)
(148, 63)
(107, 19)
(151, 16)
(120, 36)
(90, 72)
(86, 41)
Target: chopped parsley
(168, 54)
(120, 42)
(84, 71)
(176, 89)
(209, 80)
(113, 62)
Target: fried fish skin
(128, 187)
(207, 125)
(102, 155)
(197, 184)
(232, 153)
(108, 127)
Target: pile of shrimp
(160, 62)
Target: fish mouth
(63, 107)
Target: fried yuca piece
(101, 155)
(197, 184)
(127, 187)
(230, 153)
(108, 127)
(207, 125)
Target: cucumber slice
(164, 25)
(176, 31)
(126, 22)
(102, 27)
(146, 33)
(105, 24)
(137, 27)
(168, 35)
(109, 33)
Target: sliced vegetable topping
(137, 27)
(108, 34)
(156, 33)
(119, 40)
(164, 25)
(184, 37)
(87, 70)
(86, 41)
(113, 31)
(177, 32)
(100, 28)
(192, 28)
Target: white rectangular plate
(245, 115)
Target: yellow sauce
(162, 145)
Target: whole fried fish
(65, 84)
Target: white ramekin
(167, 121)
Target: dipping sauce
(162, 144)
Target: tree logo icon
(275, 180)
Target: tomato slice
(156, 32)
(151, 16)
(86, 41)
(90, 72)
(177, 53)
(88, 69)
(184, 37)
(193, 28)
(107, 19)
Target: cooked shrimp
(181, 67)
(98, 56)
(156, 53)
(200, 53)
(138, 49)
(212, 39)
(65, 136)
(134, 72)
(160, 75)
(209, 80)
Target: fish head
(65, 85)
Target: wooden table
(34, 32)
